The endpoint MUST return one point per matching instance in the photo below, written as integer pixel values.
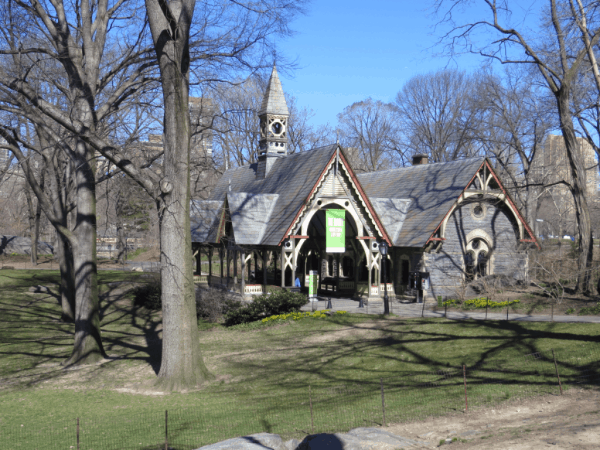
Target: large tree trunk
(578, 190)
(182, 365)
(67, 278)
(88, 344)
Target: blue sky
(350, 50)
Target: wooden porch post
(243, 272)
(221, 262)
(210, 255)
(264, 269)
(235, 277)
(228, 260)
(199, 260)
(282, 257)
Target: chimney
(420, 158)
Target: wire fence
(407, 397)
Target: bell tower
(273, 115)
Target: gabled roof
(392, 212)
(274, 100)
(205, 220)
(250, 215)
(292, 178)
(431, 189)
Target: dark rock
(260, 441)
(39, 289)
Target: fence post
(552, 318)
(487, 302)
(382, 402)
(465, 381)
(312, 422)
(557, 375)
(166, 429)
(78, 433)
(507, 312)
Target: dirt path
(571, 421)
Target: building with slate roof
(266, 223)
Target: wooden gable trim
(433, 236)
(357, 186)
(365, 199)
(508, 198)
(222, 221)
(514, 207)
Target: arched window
(476, 259)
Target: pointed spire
(274, 100)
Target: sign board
(313, 281)
(336, 230)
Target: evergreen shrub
(280, 302)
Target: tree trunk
(31, 218)
(578, 190)
(121, 242)
(181, 365)
(67, 278)
(36, 227)
(88, 344)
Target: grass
(263, 373)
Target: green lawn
(262, 374)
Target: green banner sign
(336, 230)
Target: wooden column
(235, 277)
(199, 261)
(243, 270)
(378, 276)
(228, 259)
(282, 257)
(264, 269)
(221, 261)
(210, 255)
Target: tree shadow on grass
(396, 351)
(34, 341)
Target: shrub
(570, 311)
(280, 302)
(213, 303)
(148, 295)
(590, 310)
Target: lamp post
(383, 249)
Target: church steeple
(273, 117)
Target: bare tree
(557, 56)
(369, 128)
(437, 114)
(514, 121)
(233, 34)
(237, 127)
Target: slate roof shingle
(291, 177)
(431, 188)
(274, 99)
(410, 202)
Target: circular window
(277, 128)
(478, 210)
(346, 203)
(319, 202)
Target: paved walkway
(416, 310)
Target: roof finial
(274, 57)
(337, 137)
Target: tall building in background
(556, 163)
(551, 166)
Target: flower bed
(481, 302)
(299, 315)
